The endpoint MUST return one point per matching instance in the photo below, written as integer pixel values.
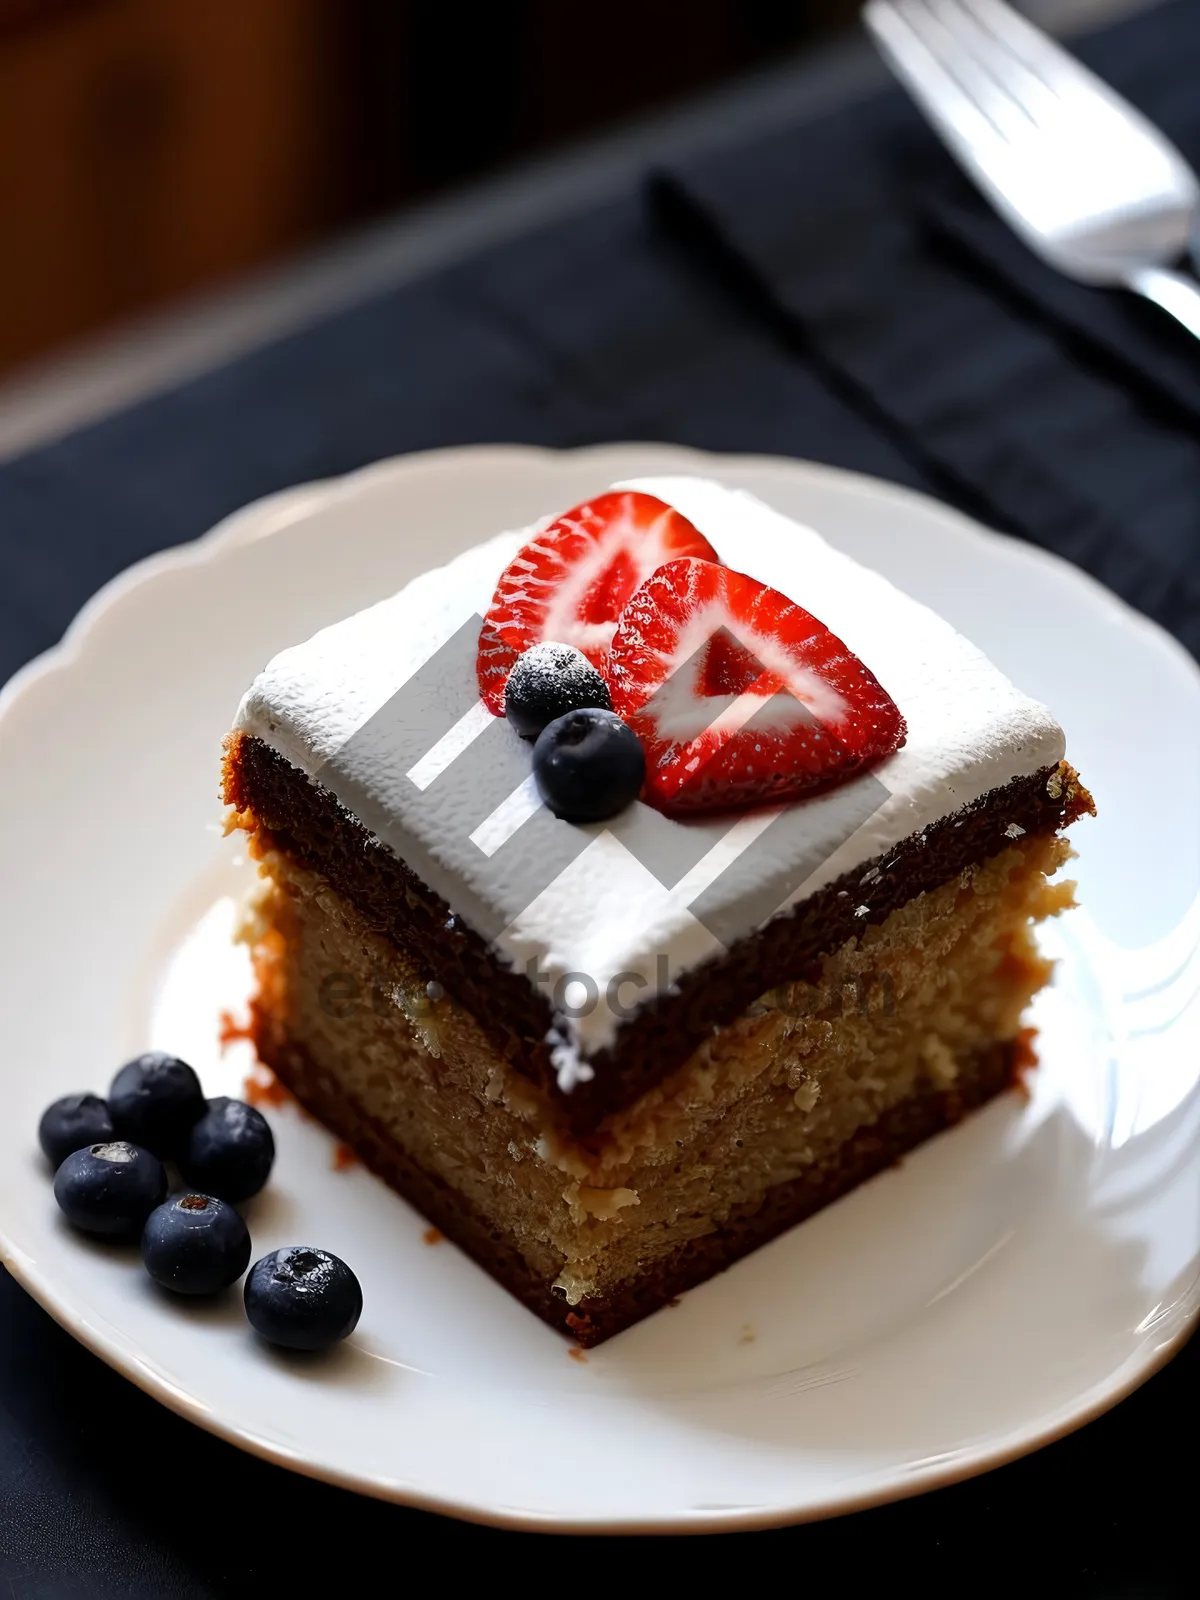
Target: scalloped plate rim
(275, 512)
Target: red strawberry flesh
(739, 695)
(570, 583)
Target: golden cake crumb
(912, 1014)
(230, 1031)
(262, 1088)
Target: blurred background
(150, 149)
(154, 149)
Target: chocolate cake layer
(871, 1150)
(307, 821)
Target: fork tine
(953, 39)
(1057, 94)
(993, 55)
(1080, 175)
(969, 134)
(1087, 97)
(1054, 66)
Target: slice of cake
(609, 1043)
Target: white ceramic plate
(1008, 1282)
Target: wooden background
(151, 148)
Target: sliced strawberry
(738, 694)
(570, 583)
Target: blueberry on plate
(154, 1100)
(195, 1244)
(546, 682)
(302, 1298)
(72, 1122)
(110, 1189)
(229, 1151)
(588, 765)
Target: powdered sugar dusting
(569, 1066)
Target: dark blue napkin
(1065, 414)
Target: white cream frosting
(604, 916)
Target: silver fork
(1086, 181)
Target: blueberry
(547, 681)
(72, 1122)
(588, 765)
(302, 1298)
(195, 1244)
(110, 1188)
(154, 1100)
(229, 1151)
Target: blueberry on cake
(731, 906)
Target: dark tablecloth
(832, 292)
